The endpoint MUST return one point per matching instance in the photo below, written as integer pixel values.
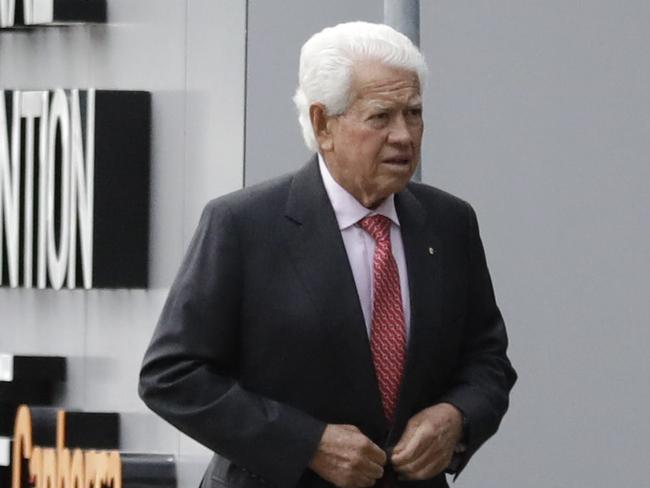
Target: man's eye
(379, 116)
(415, 112)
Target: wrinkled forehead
(380, 103)
(379, 84)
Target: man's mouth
(398, 161)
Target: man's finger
(376, 454)
(424, 472)
(372, 458)
(427, 464)
(410, 451)
(372, 470)
(405, 439)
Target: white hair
(327, 59)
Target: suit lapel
(422, 252)
(318, 252)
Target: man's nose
(400, 132)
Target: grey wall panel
(142, 46)
(140, 431)
(193, 458)
(167, 172)
(34, 321)
(214, 112)
(116, 337)
(39, 59)
(537, 113)
(274, 142)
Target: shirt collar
(347, 209)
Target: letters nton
(49, 240)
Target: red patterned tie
(388, 331)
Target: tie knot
(378, 226)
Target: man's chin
(373, 199)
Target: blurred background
(536, 112)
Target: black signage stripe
(5, 476)
(7, 418)
(33, 382)
(48, 368)
(93, 11)
(92, 430)
(83, 430)
(44, 425)
(31, 392)
(148, 471)
(122, 171)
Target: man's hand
(348, 458)
(428, 442)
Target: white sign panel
(6, 367)
(4, 451)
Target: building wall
(191, 56)
(538, 115)
(536, 112)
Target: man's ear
(321, 126)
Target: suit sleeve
(189, 372)
(484, 377)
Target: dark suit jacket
(262, 340)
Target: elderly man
(337, 326)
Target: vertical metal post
(404, 16)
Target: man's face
(373, 148)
